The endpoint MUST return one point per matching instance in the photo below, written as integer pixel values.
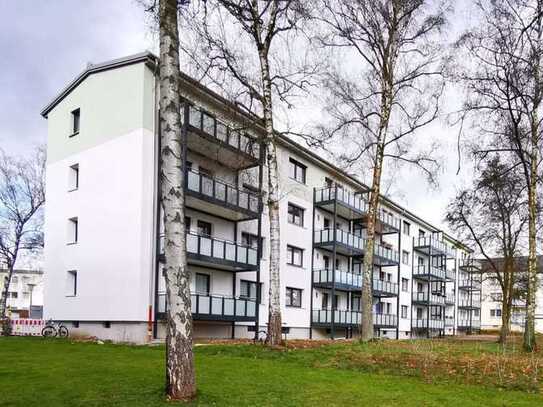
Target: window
(187, 223)
(107, 324)
(492, 312)
(71, 283)
(476, 313)
(13, 294)
(202, 284)
(406, 228)
(248, 290)
(496, 296)
(405, 257)
(295, 215)
(419, 313)
(355, 303)
(248, 239)
(73, 178)
(204, 228)
(295, 256)
(326, 223)
(328, 183)
(294, 297)
(14, 280)
(73, 230)
(297, 171)
(405, 284)
(421, 233)
(326, 301)
(76, 119)
(75, 324)
(326, 260)
(404, 311)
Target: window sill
(293, 306)
(71, 296)
(295, 265)
(298, 182)
(72, 190)
(71, 243)
(73, 134)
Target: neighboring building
(25, 290)
(103, 225)
(491, 304)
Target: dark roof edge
(94, 68)
(148, 56)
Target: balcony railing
(450, 274)
(449, 320)
(385, 320)
(341, 317)
(467, 303)
(222, 193)
(206, 250)
(384, 288)
(214, 307)
(424, 323)
(466, 323)
(351, 318)
(449, 299)
(222, 133)
(431, 273)
(385, 255)
(431, 245)
(423, 297)
(343, 197)
(469, 285)
(389, 222)
(469, 265)
(348, 240)
(343, 279)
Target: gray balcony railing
(450, 274)
(347, 198)
(388, 219)
(389, 255)
(349, 317)
(469, 284)
(469, 303)
(429, 272)
(385, 320)
(345, 238)
(449, 299)
(223, 133)
(423, 323)
(423, 297)
(341, 317)
(216, 307)
(466, 323)
(386, 287)
(222, 192)
(342, 278)
(435, 246)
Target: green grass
(37, 372)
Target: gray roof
(150, 58)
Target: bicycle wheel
(49, 332)
(62, 331)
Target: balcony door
(326, 262)
(326, 301)
(202, 284)
(204, 228)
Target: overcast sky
(45, 44)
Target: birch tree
(235, 46)
(180, 372)
(503, 86)
(387, 92)
(22, 197)
(492, 216)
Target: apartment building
(25, 295)
(103, 225)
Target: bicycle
(258, 337)
(53, 329)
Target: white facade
(102, 225)
(25, 289)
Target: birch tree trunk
(366, 326)
(274, 310)
(180, 374)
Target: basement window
(71, 283)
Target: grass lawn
(38, 372)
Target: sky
(45, 44)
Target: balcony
(386, 223)
(348, 318)
(449, 299)
(469, 304)
(382, 288)
(214, 308)
(469, 265)
(343, 280)
(467, 324)
(422, 298)
(214, 139)
(428, 273)
(424, 323)
(385, 256)
(346, 243)
(211, 195)
(450, 274)
(433, 247)
(348, 204)
(385, 320)
(469, 285)
(207, 251)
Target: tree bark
(180, 374)
(366, 326)
(4, 298)
(275, 324)
(507, 299)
